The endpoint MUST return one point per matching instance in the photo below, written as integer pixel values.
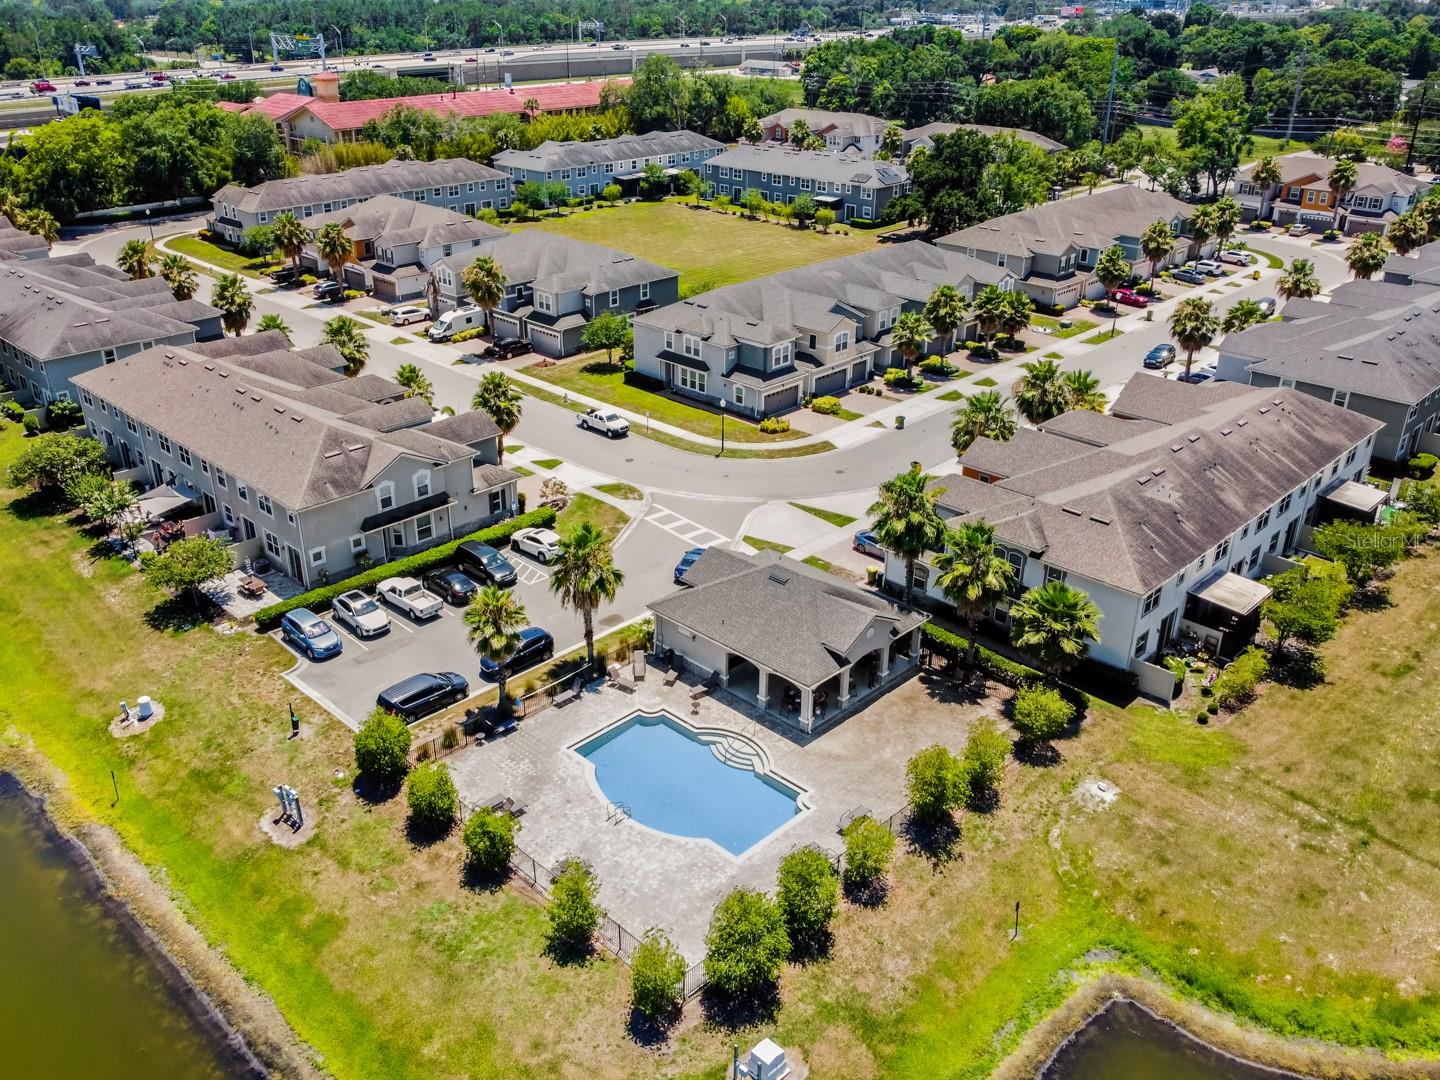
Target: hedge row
(1000, 668)
(410, 566)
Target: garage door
(782, 399)
(832, 382)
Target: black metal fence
(451, 738)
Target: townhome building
(1053, 248)
(761, 347)
(1303, 195)
(397, 241)
(66, 315)
(290, 460)
(455, 184)
(923, 137)
(1165, 512)
(1373, 348)
(840, 130)
(18, 245)
(587, 168)
(856, 189)
(556, 285)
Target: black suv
(329, 290)
(506, 347)
(420, 695)
(535, 645)
(484, 563)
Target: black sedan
(1160, 356)
(451, 585)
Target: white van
(455, 321)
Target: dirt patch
(283, 834)
(123, 727)
(1095, 794)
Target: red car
(1129, 296)
(43, 86)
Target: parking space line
(351, 636)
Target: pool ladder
(616, 812)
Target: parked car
(1160, 356)
(1237, 257)
(228, 75)
(867, 543)
(277, 67)
(1299, 229)
(411, 597)
(604, 420)
(1128, 296)
(329, 290)
(506, 347)
(422, 694)
(1196, 376)
(1268, 304)
(686, 561)
(1208, 267)
(405, 315)
(484, 563)
(310, 634)
(617, 45)
(360, 613)
(541, 544)
(285, 275)
(451, 585)
(1189, 276)
(535, 645)
(452, 322)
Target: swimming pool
(672, 780)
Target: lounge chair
(573, 694)
(637, 665)
(672, 675)
(619, 679)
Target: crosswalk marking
(691, 532)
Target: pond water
(79, 996)
(1125, 1042)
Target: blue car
(535, 645)
(867, 543)
(686, 561)
(310, 634)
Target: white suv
(541, 544)
(404, 316)
(607, 420)
(1237, 257)
(360, 613)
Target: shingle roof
(551, 155)
(823, 121)
(1369, 177)
(926, 133)
(781, 614)
(389, 221)
(1092, 221)
(812, 164)
(552, 263)
(363, 182)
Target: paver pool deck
(651, 879)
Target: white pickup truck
(409, 596)
(605, 420)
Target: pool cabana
(802, 645)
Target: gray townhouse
(18, 245)
(762, 346)
(292, 461)
(456, 184)
(587, 168)
(1166, 511)
(1374, 349)
(556, 285)
(1303, 195)
(397, 241)
(63, 316)
(1053, 248)
(841, 131)
(855, 188)
(923, 137)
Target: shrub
(354, 294)
(1237, 683)
(31, 424)
(1000, 668)
(308, 279)
(938, 366)
(934, 784)
(774, 425)
(382, 747)
(657, 975)
(411, 566)
(808, 894)
(826, 406)
(12, 410)
(573, 912)
(1040, 713)
(53, 462)
(469, 335)
(432, 797)
(869, 847)
(66, 414)
(747, 943)
(983, 761)
(1422, 466)
(489, 838)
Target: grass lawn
(761, 544)
(986, 381)
(606, 382)
(1054, 356)
(222, 257)
(953, 395)
(586, 508)
(819, 563)
(834, 517)
(1103, 336)
(1052, 326)
(401, 340)
(621, 490)
(547, 462)
(709, 249)
(522, 470)
(1260, 145)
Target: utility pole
(1110, 97)
(1295, 97)
(1415, 129)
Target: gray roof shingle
(1093, 221)
(363, 182)
(813, 165)
(551, 155)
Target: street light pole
(722, 427)
(339, 39)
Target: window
(780, 355)
(204, 467)
(920, 578)
(614, 297)
(220, 477)
(804, 183)
(1262, 521)
(184, 453)
(1254, 559)
(272, 544)
(228, 515)
(242, 491)
(690, 346)
(1141, 644)
(385, 496)
(739, 395)
(164, 442)
(842, 341)
(130, 423)
(435, 192)
(545, 302)
(1000, 259)
(498, 500)
(1151, 602)
(1284, 505)
(86, 398)
(687, 379)
(248, 528)
(1222, 549)
(1350, 456)
(263, 502)
(357, 544)
(422, 484)
(317, 556)
(866, 194)
(644, 290)
(1054, 573)
(424, 528)
(1287, 384)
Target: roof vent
(1193, 437)
(1175, 448)
(1241, 422)
(1370, 363)
(1264, 409)
(223, 374)
(354, 446)
(297, 417)
(209, 367)
(1099, 520)
(1158, 472)
(1276, 401)
(331, 453)
(1143, 480)
(779, 577)
(1070, 510)
(280, 410)
(1226, 431)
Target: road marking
(351, 636)
(530, 575)
(692, 532)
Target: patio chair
(672, 675)
(637, 665)
(619, 679)
(572, 694)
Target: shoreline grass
(833, 517)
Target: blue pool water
(674, 783)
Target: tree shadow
(731, 1012)
(177, 614)
(422, 835)
(1041, 755)
(874, 893)
(603, 367)
(948, 689)
(570, 952)
(810, 948)
(36, 504)
(480, 879)
(937, 842)
(985, 801)
(1373, 597)
(652, 1031)
(374, 792)
(1298, 667)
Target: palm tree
(1112, 270)
(910, 335)
(233, 299)
(973, 575)
(1193, 325)
(271, 322)
(1227, 217)
(1343, 175)
(799, 132)
(40, 223)
(1202, 228)
(335, 247)
(1367, 255)
(1299, 281)
(1015, 316)
(11, 207)
(1156, 244)
(945, 311)
(350, 342)
(498, 397)
(1242, 315)
(135, 258)
(416, 383)
(1408, 231)
(290, 236)
(493, 620)
(990, 304)
(1054, 623)
(177, 272)
(906, 521)
(1040, 393)
(987, 414)
(1266, 173)
(530, 109)
(584, 576)
(484, 282)
(1082, 391)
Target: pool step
(736, 754)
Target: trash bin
(899, 423)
